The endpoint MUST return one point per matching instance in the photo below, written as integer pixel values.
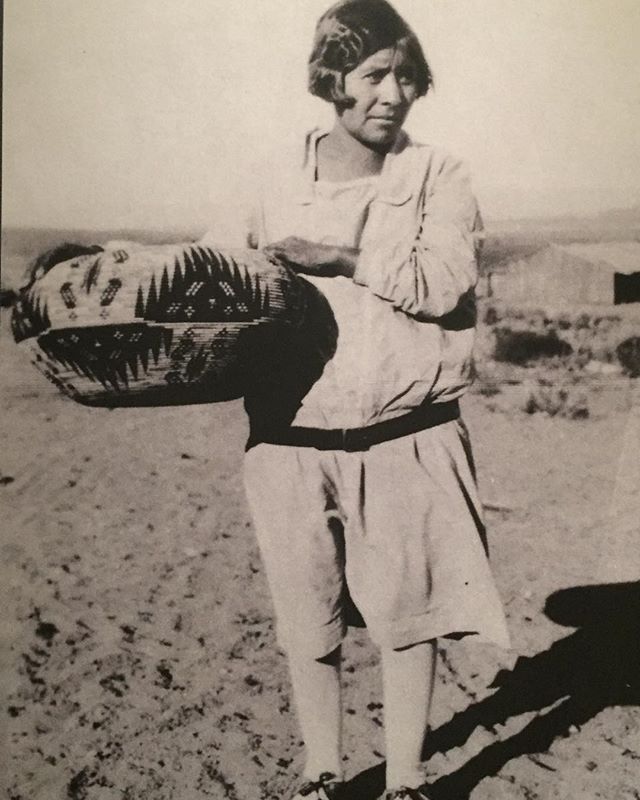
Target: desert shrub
(561, 401)
(520, 347)
(582, 356)
(628, 352)
(491, 316)
(487, 387)
(537, 320)
(564, 323)
(583, 321)
(606, 323)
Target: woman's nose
(390, 91)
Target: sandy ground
(137, 633)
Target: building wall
(555, 277)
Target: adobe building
(602, 274)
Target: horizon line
(632, 214)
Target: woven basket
(163, 325)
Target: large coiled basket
(157, 325)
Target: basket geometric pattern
(154, 325)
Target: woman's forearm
(313, 258)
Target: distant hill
(605, 220)
(514, 239)
(622, 216)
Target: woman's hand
(311, 258)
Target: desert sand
(137, 631)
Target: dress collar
(393, 184)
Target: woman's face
(384, 89)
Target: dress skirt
(396, 530)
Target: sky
(155, 113)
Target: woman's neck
(341, 157)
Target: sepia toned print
(355, 290)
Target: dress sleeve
(427, 277)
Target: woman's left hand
(311, 258)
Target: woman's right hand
(312, 258)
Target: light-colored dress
(398, 528)
(406, 321)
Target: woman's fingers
(295, 252)
(301, 255)
(290, 248)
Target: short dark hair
(351, 31)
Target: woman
(363, 492)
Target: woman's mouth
(385, 120)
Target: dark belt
(359, 439)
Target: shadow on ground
(595, 667)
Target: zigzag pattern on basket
(202, 285)
(205, 287)
(109, 355)
(165, 324)
(29, 317)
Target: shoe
(327, 787)
(404, 793)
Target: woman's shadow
(595, 667)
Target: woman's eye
(406, 78)
(375, 77)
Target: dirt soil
(138, 656)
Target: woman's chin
(379, 137)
